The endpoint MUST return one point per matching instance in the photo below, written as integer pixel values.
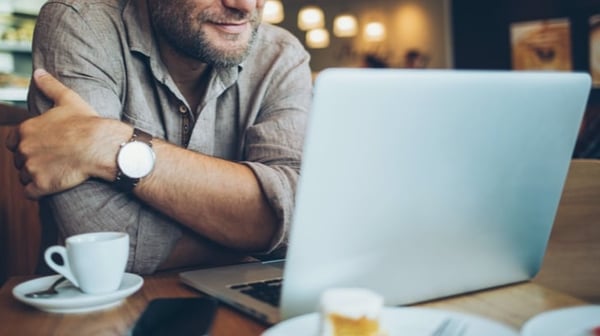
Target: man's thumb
(50, 86)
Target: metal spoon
(51, 291)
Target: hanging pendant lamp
(273, 12)
(311, 17)
(345, 25)
(317, 38)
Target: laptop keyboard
(268, 291)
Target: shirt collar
(138, 29)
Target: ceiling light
(374, 32)
(345, 25)
(311, 17)
(317, 38)
(273, 11)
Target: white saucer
(574, 321)
(399, 321)
(71, 300)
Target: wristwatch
(135, 160)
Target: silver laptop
(418, 184)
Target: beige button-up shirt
(254, 113)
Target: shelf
(24, 7)
(16, 32)
(11, 94)
(24, 47)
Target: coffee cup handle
(62, 269)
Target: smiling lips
(232, 27)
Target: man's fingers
(51, 87)
(61, 95)
(32, 192)
(18, 160)
(24, 177)
(12, 140)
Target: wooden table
(512, 305)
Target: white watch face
(136, 159)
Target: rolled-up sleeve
(275, 142)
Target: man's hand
(54, 151)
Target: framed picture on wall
(541, 45)
(595, 49)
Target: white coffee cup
(95, 262)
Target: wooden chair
(574, 246)
(20, 231)
(11, 115)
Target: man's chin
(226, 49)
(223, 57)
(230, 53)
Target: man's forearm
(192, 249)
(218, 199)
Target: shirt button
(182, 109)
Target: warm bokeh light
(374, 32)
(311, 17)
(317, 38)
(273, 12)
(345, 25)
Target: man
(219, 105)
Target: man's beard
(171, 19)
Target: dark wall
(481, 32)
(481, 39)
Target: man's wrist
(135, 160)
(107, 136)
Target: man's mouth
(232, 27)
